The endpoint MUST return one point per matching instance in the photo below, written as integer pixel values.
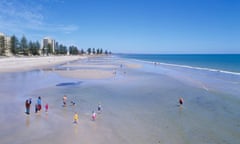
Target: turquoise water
(222, 62)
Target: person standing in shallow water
(75, 118)
(28, 105)
(64, 100)
(99, 108)
(180, 101)
(39, 103)
(46, 107)
(94, 115)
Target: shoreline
(188, 67)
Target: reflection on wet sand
(27, 121)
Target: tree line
(25, 47)
(95, 51)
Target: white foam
(189, 67)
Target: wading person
(180, 101)
(46, 107)
(28, 105)
(39, 103)
(94, 115)
(75, 118)
(99, 108)
(64, 100)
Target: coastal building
(48, 45)
(2, 43)
(5, 45)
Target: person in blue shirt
(39, 103)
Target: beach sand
(139, 101)
(13, 64)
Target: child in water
(46, 107)
(94, 115)
(75, 118)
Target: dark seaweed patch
(69, 84)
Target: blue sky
(128, 26)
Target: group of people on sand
(38, 105)
(76, 117)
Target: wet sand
(140, 105)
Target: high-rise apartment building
(5, 45)
(48, 43)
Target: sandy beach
(139, 104)
(14, 64)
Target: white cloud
(24, 16)
(18, 11)
(68, 28)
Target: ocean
(227, 63)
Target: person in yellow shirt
(75, 118)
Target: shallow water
(138, 107)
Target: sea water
(221, 62)
(196, 68)
(140, 106)
(212, 87)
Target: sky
(128, 26)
